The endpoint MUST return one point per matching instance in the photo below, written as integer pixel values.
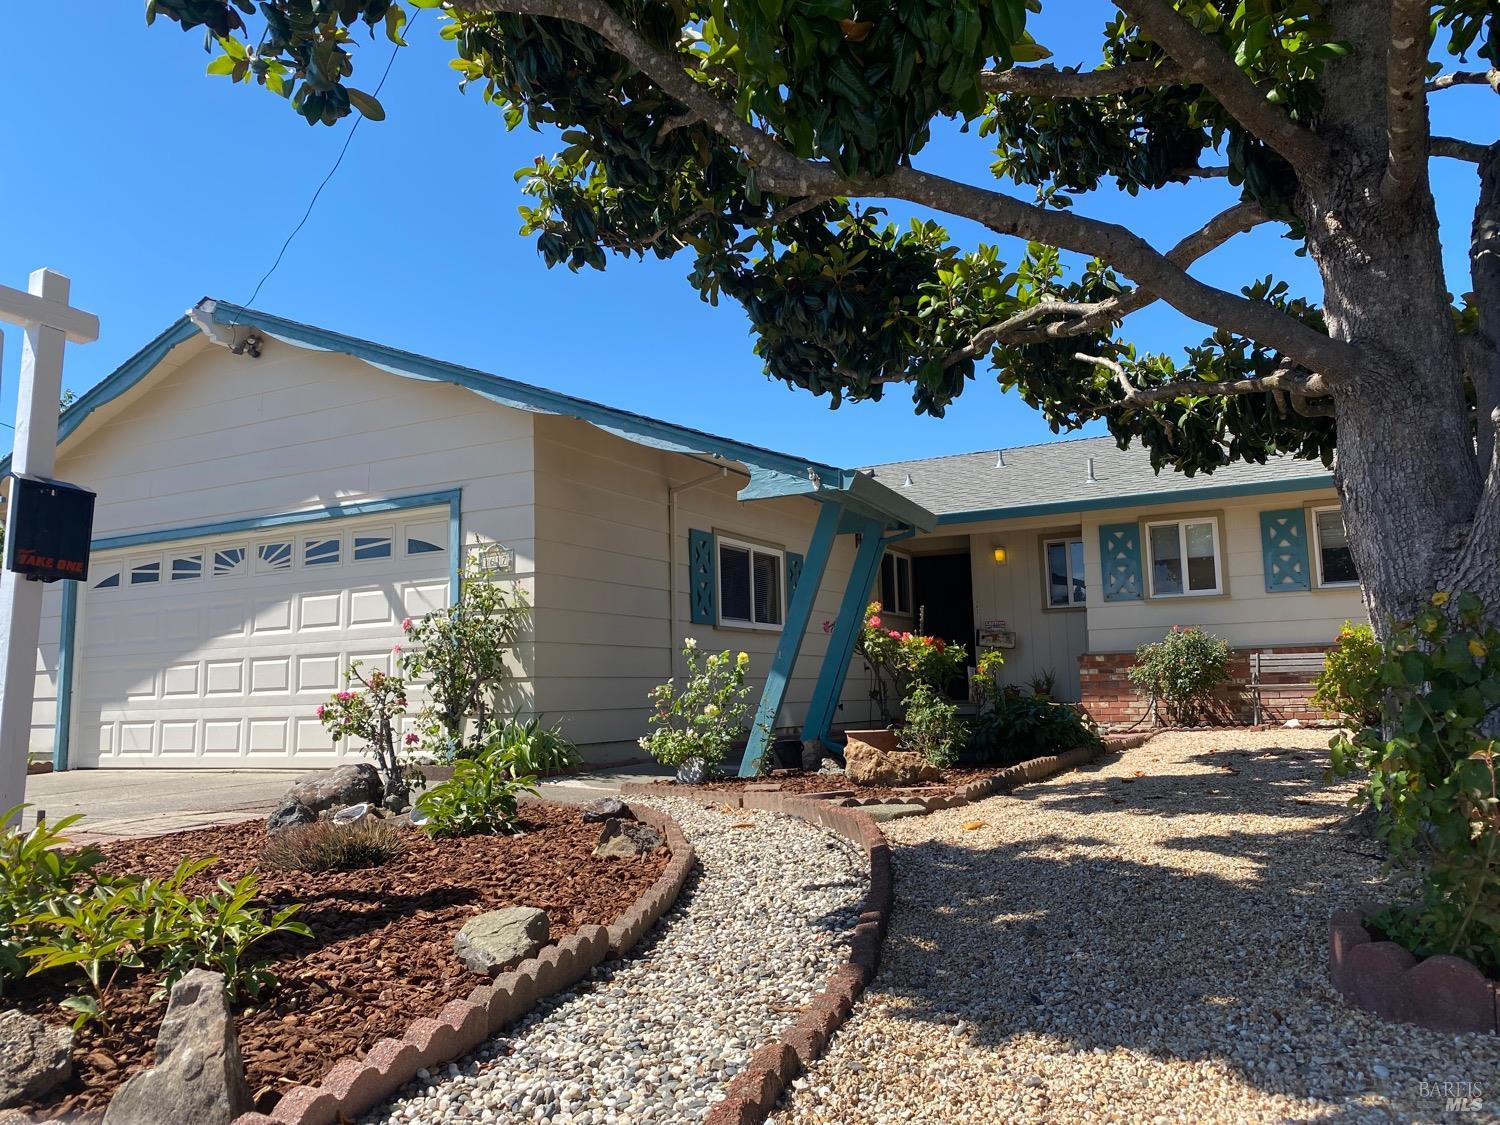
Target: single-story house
(274, 498)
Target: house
(275, 498)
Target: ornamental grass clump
(326, 846)
(695, 728)
(1182, 670)
(1429, 770)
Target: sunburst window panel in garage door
(218, 652)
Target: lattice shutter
(702, 585)
(1120, 562)
(1283, 541)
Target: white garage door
(217, 652)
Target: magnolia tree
(749, 137)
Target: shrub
(533, 748)
(1021, 726)
(326, 846)
(900, 660)
(932, 728)
(370, 709)
(1430, 770)
(37, 874)
(1350, 673)
(479, 799)
(705, 718)
(982, 687)
(1182, 669)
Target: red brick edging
(1442, 993)
(353, 1086)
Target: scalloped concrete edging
(352, 1086)
(1441, 993)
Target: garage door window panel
(373, 545)
(321, 551)
(145, 572)
(273, 557)
(185, 568)
(229, 561)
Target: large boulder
(492, 942)
(868, 765)
(34, 1057)
(338, 788)
(626, 839)
(198, 1075)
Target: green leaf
(366, 104)
(221, 65)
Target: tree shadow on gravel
(1211, 949)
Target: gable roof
(1053, 477)
(772, 473)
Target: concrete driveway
(120, 803)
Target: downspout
(674, 637)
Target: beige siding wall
(1245, 615)
(605, 635)
(222, 437)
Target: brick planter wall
(1107, 694)
(353, 1086)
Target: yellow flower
(743, 659)
(1477, 650)
(1440, 598)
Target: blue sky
(152, 185)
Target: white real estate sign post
(49, 322)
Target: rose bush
(703, 720)
(899, 660)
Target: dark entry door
(943, 592)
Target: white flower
(690, 642)
(711, 709)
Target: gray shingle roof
(1055, 475)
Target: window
(143, 573)
(1335, 561)
(1184, 558)
(320, 552)
(749, 584)
(229, 560)
(187, 567)
(895, 583)
(110, 581)
(1065, 584)
(275, 556)
(374, 545)
(426, 538)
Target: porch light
(1000, 556)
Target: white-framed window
(1065, 581)
(107, 578)
(750, 586)
(1184, 558)
(895, 583)
(186, 568)
(1331, 543)
(144, 572)
(375, 543)
(427, 538)
(276, 555)
(229, 561)
(322, 551)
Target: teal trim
(1283, 544)
(1120, 562)
(793, 573)
(793, 630)
(846, 629)
(451, 497)
(1139, 499)
(62, 730)
(455, 546)
(703, 586)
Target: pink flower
(395, 648)
(412, 739)
(321, 709)
(828, 626)
(344, 696)
(406, 624)
(875, 621)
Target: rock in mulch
(497, 939)
(657, 1038)
(892, 811)
(626, 839)
(289, 814)
(198, 1075)
(331, 790)
(869, 765)
(607, 808)
(34, 1057)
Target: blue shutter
(793, 573)
(703, 586)
(1283, 542)
(1120, 562)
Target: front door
(943, 589)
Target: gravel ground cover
(1143, 939)
(657, 1038)
(795, 781)
(381, 953)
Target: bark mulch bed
(381, 955)
(795, 781)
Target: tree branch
(1406, 99)
(1209, 65)
(1286, 379)
(1050, 82)
(780, 171)
(1490, 78)
(1455, 149)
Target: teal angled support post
(846, 628)
(798, 615)
(68, 637)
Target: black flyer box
(48, 527)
